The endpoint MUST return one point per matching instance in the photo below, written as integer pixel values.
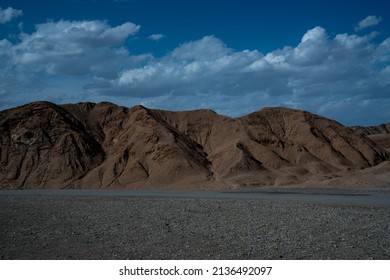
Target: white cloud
(9, 14)
(84, 50)
(206, 48)
(315, 75)
(368, 22)
(75, 48)
(203, 66)
(156, 37)
(86, 60)
(78, 34)
(316, 34)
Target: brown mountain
(371, 130)
(380, 134)
(87, 145)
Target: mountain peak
(102, 145)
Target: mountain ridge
(102, 145)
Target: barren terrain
(109, 226)
(104, 146)
(305, 187)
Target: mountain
(88, 145)
(371, 130)
(380, 134)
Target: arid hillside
(87, 145)
(380, 134)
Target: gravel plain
(109, 227)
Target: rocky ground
(56, 227)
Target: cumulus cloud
(74, 48)
(203, 66)
(156, 37)
(80, 34)
(317, 74)
(368, 22)
(209, 66)
(84, 50)
(336, 76)
(9, 14)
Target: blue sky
(328, 57)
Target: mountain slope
(380, 134)
(102, 145)
(43, 145)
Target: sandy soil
(109, 227)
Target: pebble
(140, 228)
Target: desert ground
(266, 224)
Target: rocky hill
(380, 134)
(371, 130)
(87, 145)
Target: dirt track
(120, 227)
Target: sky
(331, 58)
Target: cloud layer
(62, 57)
(331, 76)
(346, 76)
(9, 14)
